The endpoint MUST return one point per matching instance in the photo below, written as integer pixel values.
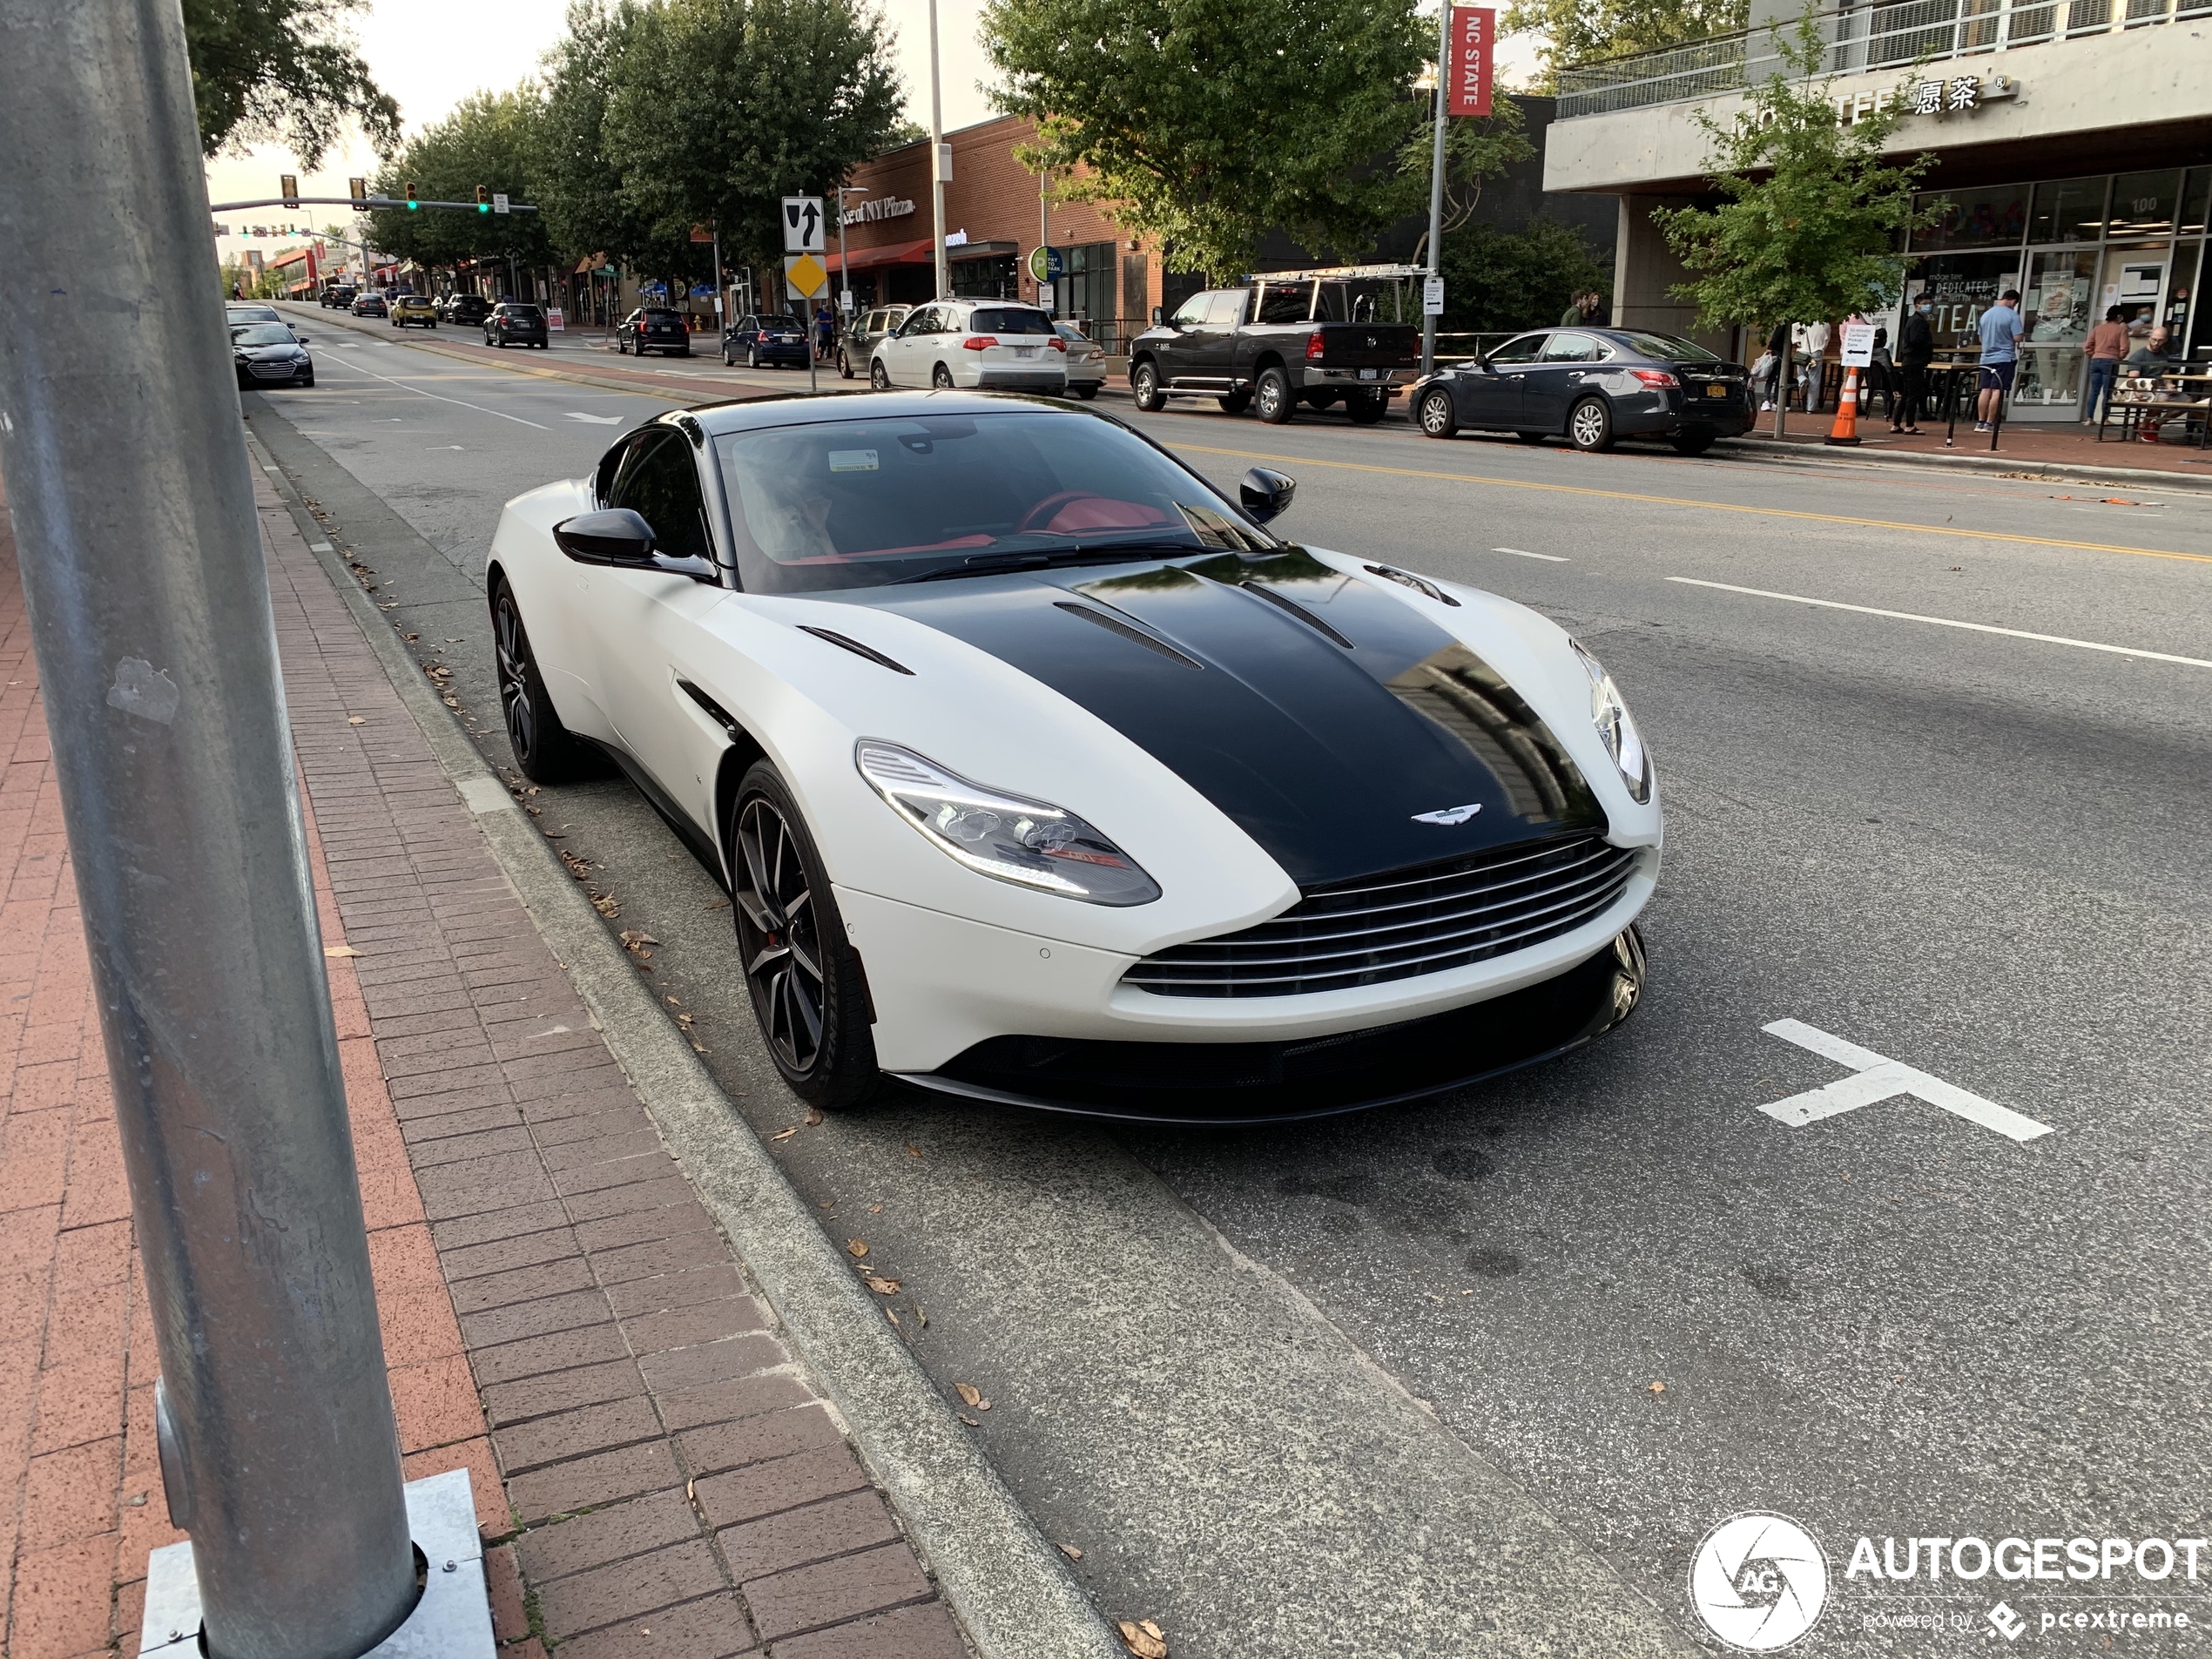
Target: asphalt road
(1478, 1376)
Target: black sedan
(766, 342)
(1590, 386)
(268, 353)
(512, 323)
(371, 304)
(654, 329)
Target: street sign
(499, 201)
(1047, 263)
(804, 275)
(1859, 344)
(803, 226)
(1432, 296)
(1474, 30)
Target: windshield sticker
(852, 461)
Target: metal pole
(721, 298)
(1436, 178)
(1044, 237)
(149, 605)
(937, 157)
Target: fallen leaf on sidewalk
(966, 1419)
(356, 719)
(1146, 1641)
(856, 1247)
(913, 1151)
(814, 1115)
(1071, 1552)
(894, 1314)
(881, 1286)
(876, 1209)
(921, 1318)
(1658, 1388)
(785, 1134)
(340, 950)
(605, 905)
(970, 1395)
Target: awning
(863, 259)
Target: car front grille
(1422, 920)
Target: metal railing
(1858, 38)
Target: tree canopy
(1477, 148)
(281, 70)
(487, 141)
(1204, 124)
(1580, 31)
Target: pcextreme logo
(1759, 1582)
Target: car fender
(552, 591)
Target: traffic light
(288, 187)
(358, 189)
(483, 199)
(414, 197)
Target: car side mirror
(621, 537)
(1266, 494)
(303, 339)
(1159, 314)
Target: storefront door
(2058, 306)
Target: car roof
(808, 408)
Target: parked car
(1279, 831)
(862, 336)
(653, 329)
(269, 354)
(512, 322)
(371, 304)
(467, 310)
(238, 311)
(1591, 386)
(412, 308)
(766, 342)
(340, 295)
(1086, 362)
(1279, 342)
(988, 344)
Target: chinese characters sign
(1958, 95)
(1474, 30)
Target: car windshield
(1669, 349)
(862, 503)
(1008, 320)
(262, 333)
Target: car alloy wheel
(545, 750)
(1590, 426)
(942, 378)
(1437, 417)
(844, 366)
(752, 356)
(1274, 399)
(879, 377)
(807, 991)
(1144, 388)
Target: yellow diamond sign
(804, 274)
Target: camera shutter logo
(1759, 1582)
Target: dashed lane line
(1949, 622)
(1706, 506)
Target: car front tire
(805, 983)
(1590, 426)
(1438, 418)
(1236, 403)
(1692, 443)
(1144, 388)
(545, 751)
(1273, 398)
(879, 377)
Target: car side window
(1571, 348)
(1227, 309)
(1286, 301)
(660, 482)
(1191, 314)
(1523, 350)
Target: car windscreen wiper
(1047, 558)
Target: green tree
(717, 108)
(1812, 213)
(576, 173)
(1581, 31)
(488, 140)
(1204, 125)
(1498, 281)
(281, 70)
(1476, 150)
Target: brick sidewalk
(2030, 445)
(658, 1474)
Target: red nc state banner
(1474, 30)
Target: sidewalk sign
(1859, 344)
(554, 320)
(803, 227)
(1432, 296)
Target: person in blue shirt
(2000, 329)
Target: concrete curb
(1013, 1593)
(1773, 450)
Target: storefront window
(1964, 285)
(2143, 203)
(2194, 202)
(1087, 290)
(990, 278)
(2071, 210)
(1990, 218)
(2060, 297)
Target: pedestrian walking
(1775, 343)
(1810, 340)
(1576, 314)
(2000, 329)
(1915, 351)
(825, 331)
(2106, 345)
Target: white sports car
(1040, 772)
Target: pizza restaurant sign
(867, 212)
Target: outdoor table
(2154, 394)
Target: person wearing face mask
(1915, 351)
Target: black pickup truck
(1278, 342)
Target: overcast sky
(430, 54)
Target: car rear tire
(1590, 426)
(1365, 408)
(805, 981)
(844, 365)
(942, 378)
(1236, 403)
(879, 377)
(1692, 443)
(752, 356)
(1273, 399)
(545, 751)
(1144, 388)
(1086, 392)
(1439, 419)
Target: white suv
(988, 344)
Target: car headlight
(1008, 837)
(1616, 728)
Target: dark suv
(467, 309)
(513, 323)
(653, 329)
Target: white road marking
(419, 392)
(1523, 553)
(596, 420)
(1875, 1077)
(320, 547)
(1950, 621)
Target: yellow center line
(1707, 506)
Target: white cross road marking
(1523, 553)
(596, 420)
(1875, 1077)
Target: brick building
(992, 221)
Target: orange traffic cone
(1846, 428)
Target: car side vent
(715, 711)
(857, 648)
(1291, 607)
(1408, 579)
(1136, 636)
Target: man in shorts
(2000, 329)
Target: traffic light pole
(130, 492)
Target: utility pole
(1436, 178)
(721, 320)
(1044, 235)
(133, 507)
(937, 157)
